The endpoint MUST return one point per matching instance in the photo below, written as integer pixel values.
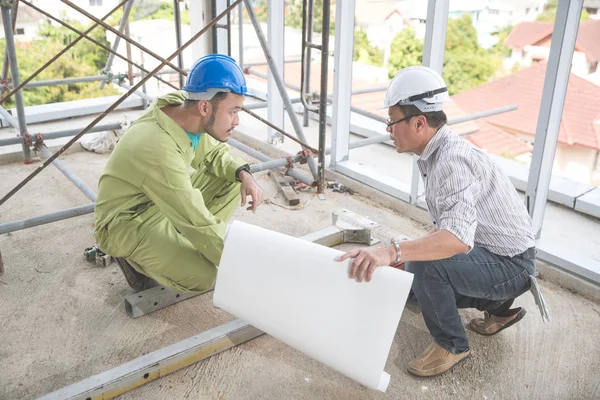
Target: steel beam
(558, 71)
(275, 33)
(342, 84)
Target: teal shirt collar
(195, 139)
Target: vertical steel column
(14, 72)
(342, 83)
(309, 32)
(14, 11)
(558, 70)
(177, 12)
(241, 35)
(200, 12)
(433, 57)
(280, 85)
(275, 36)
(323, 99)
(124, 21)
(220, 39)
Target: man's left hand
(250, 188)
(367, 259)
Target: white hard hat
(420, 86)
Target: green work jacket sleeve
(168, 185)
(216, 157)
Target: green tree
(74, 63)
(499, 49)
(406, 50)
(293, 15)
(364, 52)
(85, 50)
(549, 13)
(466, 64)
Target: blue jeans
(479, 279)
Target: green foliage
(293, 15)
(406, 50)
(84, 59)
(85, 51)
(167, 12)
(466, 64)
(499, 49)
(364, 52)
(549, 13)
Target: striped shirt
(468, 195)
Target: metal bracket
(348, 227)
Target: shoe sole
(519, 317)
(439, 373)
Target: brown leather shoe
(136, 281)
(491, 324)
(435, 360)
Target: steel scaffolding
(37, 143)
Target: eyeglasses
(390, 123)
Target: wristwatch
(239, 171)
(396, 243)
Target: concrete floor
(64, 319)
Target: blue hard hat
(213, 72)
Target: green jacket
(150, 166)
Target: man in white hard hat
(480, 253)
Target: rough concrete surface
(63, 319)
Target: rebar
(115, 46)
(63, 51)
(85, 35)
(280, 85)
(115, 105)
(116, 32)
(270, 125)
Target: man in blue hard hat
(159, 221)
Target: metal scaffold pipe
(57, 134)
(115, 46)
(46, 219)
(115, 104)
(14, 72)
(84, 35)
(89, 193)
(277, 77)
(123, 36)
(63, 51)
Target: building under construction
(73, 329)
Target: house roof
(375, 12)
(478, 132)
(581, 114)
(530, 33)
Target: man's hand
(250, 188)
(367, 259)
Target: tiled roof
(526, 33)
(530, 33)
(581, 110)
(478, 132)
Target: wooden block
(284, 186)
